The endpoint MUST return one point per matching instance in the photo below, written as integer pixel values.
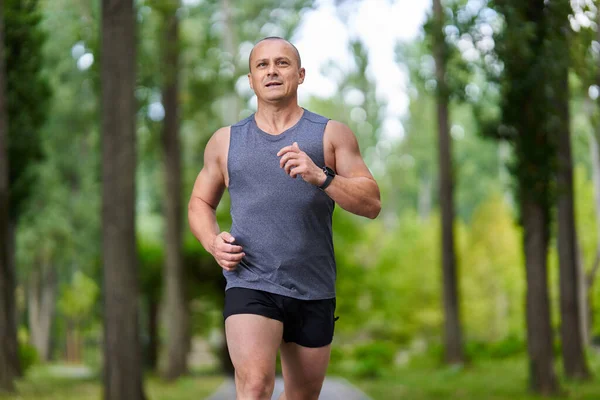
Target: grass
(482, 380)
(52, 383)
(421, 380)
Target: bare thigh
(252, 341)
(304, 370)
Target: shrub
(28, 356)
(372, 360)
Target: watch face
(329, 171)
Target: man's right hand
(227, 254)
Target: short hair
(275, 38)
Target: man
(278, 166)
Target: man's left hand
(296, 162)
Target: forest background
(477, 280)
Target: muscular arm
(207, 192)
(353, 188)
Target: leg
(253, 341)
(304, 370)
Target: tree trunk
(41, 300)
(539, 331)
(122, 348)
(176, 309)
(452, 331)
(152, 351)
(574, 361)
(11, 300)
(7, 370)
(582, 299)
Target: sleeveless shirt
(283, 224)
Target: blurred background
(479, 119)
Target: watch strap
(329, 174)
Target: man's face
(274, 70)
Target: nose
(272, 70)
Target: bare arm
(207, 192)
(353, 188)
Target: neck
(275, 118)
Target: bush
(28, 356)
(372, 360)
(509, 347)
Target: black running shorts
(308, 323)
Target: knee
(306, 392)
(254, 385)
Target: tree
(574, 361)
(586, 64)
(27, 95)
(7, 370)
(452, 331)
(67, 190)
(176, 306)
(122, 350)
(524, 49)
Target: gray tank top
(283, 224)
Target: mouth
(273, 84)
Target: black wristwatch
(329, 175)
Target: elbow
(374, 210)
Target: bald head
(296, 52)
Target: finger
(286, 158)
(291, 165)
(230, 248)
(237, 257)
(284, 150)
(296, 147)
(294, 172)
(227, 238)
(228, 268)
(230, 264)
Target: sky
(322, 37)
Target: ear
(250, 81)
(302, 74)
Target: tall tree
(574, 361)
(7, 370)
(122, 349)
(523, 47)
(452, 332)
(27, 95)
(176, 309)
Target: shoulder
(243, 122)
(338, 132)
(218, 144)
(221, 135)
(315, 118)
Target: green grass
(45, 383)
(422, 380)
(482, 380)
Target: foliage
(78, 299)
(64, 382)
(28, 95)
(483, 379)
(28, 356)
(388, 286)
(373, 359)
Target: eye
(261, 64)
(283, 62)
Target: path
(333, 389)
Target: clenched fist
(227, 254)
(296, 162)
